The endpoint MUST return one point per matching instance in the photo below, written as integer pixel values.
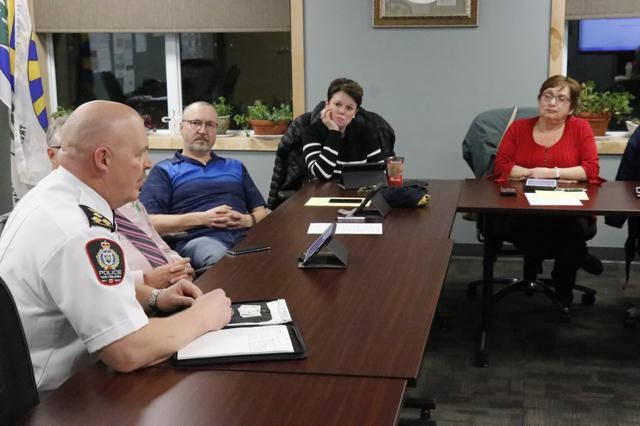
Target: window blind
(166, 16)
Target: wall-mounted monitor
(609, 35)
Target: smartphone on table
(236, 251)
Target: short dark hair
(561, 81)
(350, 87)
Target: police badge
(107, 260)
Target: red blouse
(576, 147)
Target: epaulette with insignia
(96, 218)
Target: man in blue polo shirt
(212, 198)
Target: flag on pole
(21, 90)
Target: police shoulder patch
(96, 218)
(107, 260)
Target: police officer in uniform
(62, 261)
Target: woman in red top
(553, 145)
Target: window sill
(612, 144)
(233, 143)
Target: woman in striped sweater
(339, 138)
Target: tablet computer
(356, 176)
(544, 184)
(320, 242)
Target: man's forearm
(259, 213)
(153, 343)
(166, 223)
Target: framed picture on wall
(425, 13)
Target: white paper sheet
(269, 339)
(570, 195)
(279, 314)
(348, 228)
(551, 198)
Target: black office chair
(530, 282)
(479, 147)
(290, 170)
(18, 391)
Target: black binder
(299, 347)
(325, 252)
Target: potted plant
(265, 120)
(224, 111)
(598, 107)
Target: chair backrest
(484, 135)
(18, 391)
(290, 170)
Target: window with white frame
(158, 74)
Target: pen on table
(572, 189)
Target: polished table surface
(614, 197)
(159, 396)
(370, 319)
(483, 196)
(365, 327)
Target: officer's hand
(215, 307)
(180, 295)
(165, 275)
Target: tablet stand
(332, 255)
(377, 208)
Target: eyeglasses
(560, 99)
(197, 124)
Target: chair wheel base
(631, 317)
(565, 315)
(588, 299)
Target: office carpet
(542, 371)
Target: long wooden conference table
(365, 328)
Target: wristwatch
(153, 299)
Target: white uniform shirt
(68, 278)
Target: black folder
(299, 348)
(299, 352)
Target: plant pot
(598, 121)
(268, 127)
(223, 124)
